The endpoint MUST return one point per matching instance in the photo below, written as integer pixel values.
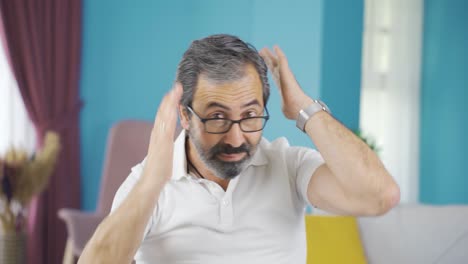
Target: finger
(281, 56)
(161, 116)
(284, 66)
(166, 116)
(268, 62)
(169, 110)
(264, 55)
(271, 58)
(178, 91)
(160, 107)
(171, 98)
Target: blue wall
(130, 54)
(341, 59)
(444, 124)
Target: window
(390, 87)
(16, 129)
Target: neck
(199, 168)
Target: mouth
(232, 157)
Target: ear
(184, 118)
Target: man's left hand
(293, 97)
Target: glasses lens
(217, 125)
(252, 124)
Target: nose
(235, 136)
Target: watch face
(325, 107)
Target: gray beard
(222, 169)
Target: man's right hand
(158, 166)
(119, 235)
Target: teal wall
(444, 125)
(130, 54)
(341, 59)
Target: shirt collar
(259, 157)
(179, 167)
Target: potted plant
(370, 141)
(21, 179)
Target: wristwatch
(306, 113)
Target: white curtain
(391, 89)
(16, 129)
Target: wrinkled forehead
(233, 94)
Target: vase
(12, 248)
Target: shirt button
(225, 202)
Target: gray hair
(221, 58)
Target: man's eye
(251, 114)
(217, 115)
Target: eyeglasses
(223, 125)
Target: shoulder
(280, 148)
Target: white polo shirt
(258, 219)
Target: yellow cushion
(333, 239)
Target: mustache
(221, 148)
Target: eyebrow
(253, 102)
(216, 104)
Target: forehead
(232, 94)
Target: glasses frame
(204, 120)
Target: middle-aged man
(223, 194)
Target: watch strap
(306, 113)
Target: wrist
(313, 121)
(306, 113)
(153, 178)
(303, 105)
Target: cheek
(254, 138)
(205, 139)
(211, 140)
(196, 128)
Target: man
(223, 194)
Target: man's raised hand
(293, 97)
(158, 164)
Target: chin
(227, 177)
(233, 172)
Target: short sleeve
(306, 162)
(125, 189)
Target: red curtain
(44, 44)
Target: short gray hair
(221, 58)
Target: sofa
(408, 234)
(417, 234)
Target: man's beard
(223, 169)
